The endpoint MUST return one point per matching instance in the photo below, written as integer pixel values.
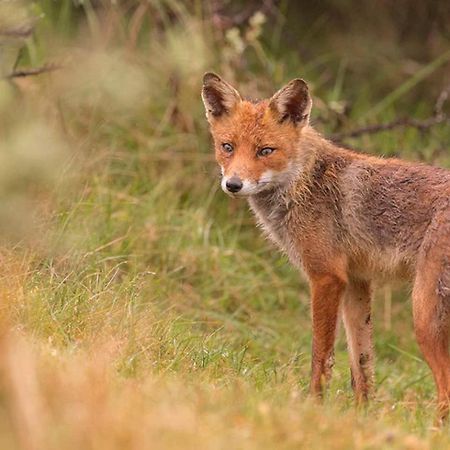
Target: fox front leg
(326, 293)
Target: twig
(438, 117)
(398, 123)
(33, 71)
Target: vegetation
(140, 306)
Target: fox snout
(234, 184)
(237, 185)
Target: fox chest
(276, 221)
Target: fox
(345, 218)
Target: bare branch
(438, 117)
(33, 71)
(398, 123)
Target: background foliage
(141, 308)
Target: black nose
(234, 184)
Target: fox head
(256, 144)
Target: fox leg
(432, 328)
(358, 328)
(431, 308)
(326, 293)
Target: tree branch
(33, 71)
(438, 117)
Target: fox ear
(218, 96)
(292, 102)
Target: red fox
(346, 218)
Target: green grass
(142, 307)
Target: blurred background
(141, 308)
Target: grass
(141, 307)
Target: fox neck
(273, 207)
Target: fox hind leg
(356, 312)
(431, 323)
(431, 308)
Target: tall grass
(141, 307)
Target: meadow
(140, 306)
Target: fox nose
(234, 184)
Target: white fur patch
(249, 188)
(267, 176)
(268, 179)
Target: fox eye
(266, 151)
(227, 148)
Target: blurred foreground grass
(141, 308)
